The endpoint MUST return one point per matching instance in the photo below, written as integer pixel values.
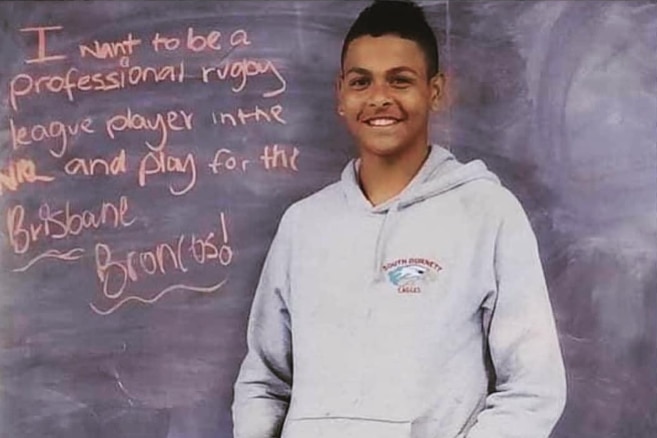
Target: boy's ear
(437, 85)
(338, 93)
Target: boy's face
(385, 96)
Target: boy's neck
(384, 177)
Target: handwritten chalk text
(155, 163)
(226, 159)
(161, 123)
(280, 156)
(115, 272)
(62, 223)
(241, 71)
(273, 157)
(24, 85)
(273, 114)
(60, 132)
(97, 166)
(198, 42)
(110, 49)
(41, 44)
(17, 173)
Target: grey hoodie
(424, 317)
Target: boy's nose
(379, 95)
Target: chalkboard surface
(148, 150)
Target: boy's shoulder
(494, 203)
(491, 194)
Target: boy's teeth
(381, 122)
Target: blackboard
(148, 150)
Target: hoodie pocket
(345, 427)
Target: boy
(408, 299)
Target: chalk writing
(97, 166)
(71, 255)
(157, 296)
(160, 123)
(20, 172)
(62, 223)
(196, 42)
(116, 273)
(41, 44)
(155, 163)
(55, 130)
(225, 159)
(241, 116)
(279, 156)
(139, 273)
(160, 42)
(73, 80)
(24, 85)
(199, 43)
(239, 38)
(273, 157)
(240, 72)
(105, 50)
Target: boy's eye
(358, 83)
(401, 81)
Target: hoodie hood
(440, 173)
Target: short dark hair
(397, 17)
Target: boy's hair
(397, 17)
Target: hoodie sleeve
(264, 383)
(529, 390)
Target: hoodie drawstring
(382, 238)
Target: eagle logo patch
(409, 275)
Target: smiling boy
(407, 299)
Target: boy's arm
(530, 386)
(263, 386)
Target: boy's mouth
(381, 121)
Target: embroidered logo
(409, 275)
